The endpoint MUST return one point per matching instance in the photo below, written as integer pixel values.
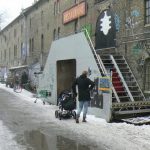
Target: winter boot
(77, 119)
(84, 119)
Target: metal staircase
(127, 97)
(131, 98)
(123, 79)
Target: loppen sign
(75, 12)
(104, 84)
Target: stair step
(119, 92)
(131, 86)
(124, 69)
(131, 81)
(119, 63)
(123, 96)
(117, 82)
(126, 72)
(108, 63)
(135, 91)
(106, 59)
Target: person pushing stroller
(85, 85)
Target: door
(66, 73)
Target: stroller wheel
(60, 116)
(74, 114)
(56, 113)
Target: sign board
(74, 12)
(104, 84)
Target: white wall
(72, 47)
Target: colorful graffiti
(135, 13)
(117, 22)
(136, 49)
(132, 20)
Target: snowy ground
(114, 136)
(6, 139)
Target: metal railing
(103, 69)
(135, 79)
(121, 77)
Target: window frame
(147, 11)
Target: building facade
(28, 38)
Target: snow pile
(6, 139)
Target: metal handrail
(120, 75)
(135, 79)
(104, 71)
(93, 48)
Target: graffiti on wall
(132, 20)
(137, 48)
(141, 45)
(117, 22)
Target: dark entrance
(66, 73)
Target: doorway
(66, 73)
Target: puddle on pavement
(41, 141)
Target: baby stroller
(67, 104)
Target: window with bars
(147, 76)
(147, 11)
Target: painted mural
(105, 30)
(132, 20)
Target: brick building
(28, 38)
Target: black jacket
(84, 86)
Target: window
(32, 45)
(21, 29)
(5, 55)
(147, 11)
(9, 54)
(21, 49)
(15, 51)
(30, 23)
(42, 42)
(58, 35)
(42, 17)
(54, 34)
(147, 75)
(56, 7)
(14, 32)
(76, 26)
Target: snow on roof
(18, 67)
